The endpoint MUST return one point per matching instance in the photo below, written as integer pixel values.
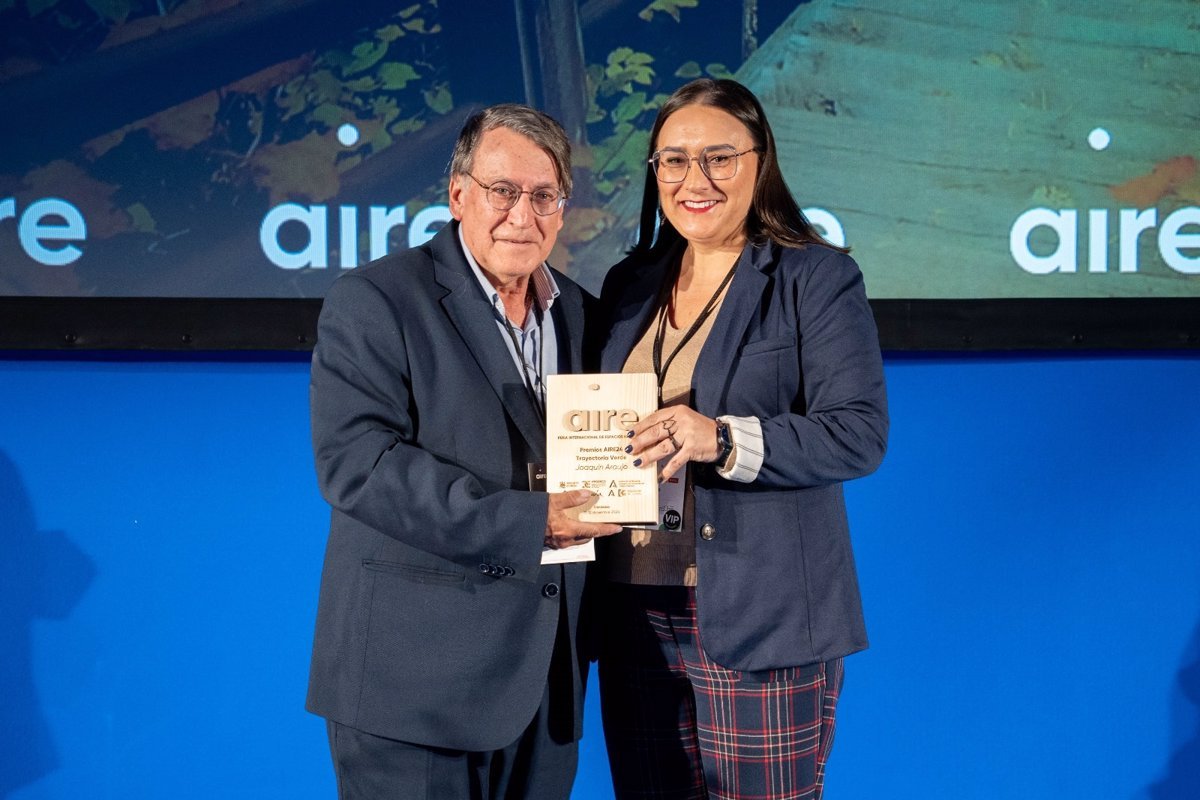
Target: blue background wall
(1028, 554)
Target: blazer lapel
(630, 320)
(567, 312)
(472, 316)
(728, 330)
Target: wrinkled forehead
(505, 154)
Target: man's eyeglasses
(503, 195)
(718, 162)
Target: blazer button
(486, 569)
(708, 532)
(550, 590)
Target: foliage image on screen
(259, 149)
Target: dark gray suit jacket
(794, 344)
(436, 622)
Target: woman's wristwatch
(724, 444)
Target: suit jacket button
(486, 569)
(708, 532)
(509, 572)
(550, 590)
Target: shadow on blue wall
(42, 576)
(1182, 780)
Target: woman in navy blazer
(722, 642)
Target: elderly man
(445, 660)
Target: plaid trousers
(677, 725)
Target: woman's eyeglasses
(718, 162)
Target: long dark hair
(774, 214)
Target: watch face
(724, 441)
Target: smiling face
(509, 245)
(709, 214)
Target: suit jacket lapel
(568, 327)
(472, 316)
(630, 320)
(715, 363)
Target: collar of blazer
(715, 363)
(471, 314)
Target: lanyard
(660, 368)
(530, 386)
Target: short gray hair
(541, 128)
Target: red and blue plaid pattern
(677, 725)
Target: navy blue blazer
(794, 344)
(436, 620)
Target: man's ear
(456, 196)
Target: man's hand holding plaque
(564, 530)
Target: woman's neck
(701, 272)
(710, 262)
(705, 267)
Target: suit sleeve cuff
(747, 457)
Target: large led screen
(214, 165)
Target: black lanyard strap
(660, 368)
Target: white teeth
(699, 203)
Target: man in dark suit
(444, 659)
